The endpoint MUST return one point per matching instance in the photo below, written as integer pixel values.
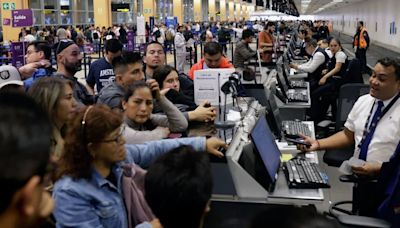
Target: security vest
(359, 39)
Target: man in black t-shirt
(101, 71)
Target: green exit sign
(9, 6)
(6, 6)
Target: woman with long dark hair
(168, 78)
(88, 188)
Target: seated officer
(213, 58)
(317, 63)
(373, 123)
(380, 128)
(25, 141)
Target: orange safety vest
(363, 43)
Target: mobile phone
(298, 141)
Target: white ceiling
(309, 7)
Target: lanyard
(366, 128)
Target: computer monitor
(265, 97)
(256, 91)
(273, 115)
(281, 79)
(266, 148)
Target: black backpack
(95, 35)
(188, 35)
(157, 33)
(203, 36)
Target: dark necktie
(370, 132)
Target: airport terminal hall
(199, 113)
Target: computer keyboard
(292, 129)
(298, 84)
(297, 97)
(301, 173)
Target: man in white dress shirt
(315, 65)
(384, 88)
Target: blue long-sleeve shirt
(98, 202)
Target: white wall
(376, 14)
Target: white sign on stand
(141, 28)
(208, 83)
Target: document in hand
(208, 83)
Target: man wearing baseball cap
(10, 79)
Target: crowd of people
(100, 136)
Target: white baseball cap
(9, 75)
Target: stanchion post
(195, 52)
(190, 57)
(174, 56)
(201, 49)
(84, 64)
(231, 49)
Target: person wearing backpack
(96, 39)
(223, 38)
(156, 33)
(169, 38)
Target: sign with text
(131, 41)
(6, 21)
(22, 18)
(171, 21)
(141, 26)
(208, 83)
(18, 53)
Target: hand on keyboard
(314, 144)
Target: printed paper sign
(22, 18)
(208, 83)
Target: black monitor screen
(281, 79)
(273, 117)
(265, 145)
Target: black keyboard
(297, 97)
(298, 84)
(301, 173)
(292, 129)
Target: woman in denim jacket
(88, 190)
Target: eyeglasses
(118, 138)
(30, 52)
